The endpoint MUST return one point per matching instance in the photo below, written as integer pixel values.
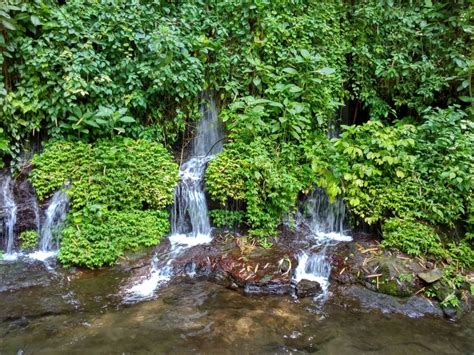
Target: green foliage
(447, 291)
(412, 237)
(444, 166)
(281, 69)
(417, 172)
(262, 179)
(118, 174)
(417, 239)
(29, 239)
(128, 56)
(4, 146)
(103, 236)
(410, 56)
(226, 218)
(373, 157)
(119, 192)
(290, 77)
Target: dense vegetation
(119, 192)
(371, 100)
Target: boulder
(307, 288)
(431, 276)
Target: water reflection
(206, 318)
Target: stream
(79, 311)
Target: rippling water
(83, 311)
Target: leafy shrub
(374, 158)
(289, 79)
(126, 56)
(119, 192)
(462, 252)
(99, 239)
(260, 179)
(409, 171)
(410, 56)
(412, 237)
(29, 239)
(443, 166)
(120, 174)
(226, 218)
(416, 238)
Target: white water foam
(323, 221)
(42, 255)
(190, 225)
(9, 210)
(11, 256)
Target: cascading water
(189, 215)
(9, 211)
(323, 222)
(190, 223)
(54, 218)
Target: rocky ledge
(361, 270)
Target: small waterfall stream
(323, 222)
(10, 209)
(190, 223)
(55, 217)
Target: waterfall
(313, 267)
(189, 214)
(55, 216)
(323, 222)
(190, 223)
(9, 208)
(323, 218)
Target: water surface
(50, 312)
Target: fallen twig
(420, 290)
(374, 275)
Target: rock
(431, 276)
(464, 306)
(413, 307)
(285, 266)
(451, 312)
(466, 301)
(244, 326)
(268, 288)
(307, 288)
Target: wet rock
(451, 312)
(377, 269)
(457, 310)
(431, 276)
(235, 263)
(466, 300)
(19, 275)
(307, 288)
(244, 326)
(414, 306)
(269, 288)
(28, 211)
